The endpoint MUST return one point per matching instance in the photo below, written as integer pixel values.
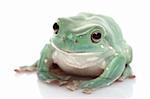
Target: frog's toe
(132, 76)
(88, 90)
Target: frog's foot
(73, 85)
(56, 82)
(59, 81)
(31, 68)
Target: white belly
(84, 64)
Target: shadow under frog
(122, 90)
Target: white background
(26, 25)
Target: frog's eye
(96, 37)
(56, 28)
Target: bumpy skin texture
(73, 49)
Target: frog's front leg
(44, 64)
(111, 73)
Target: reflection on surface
(119, 90)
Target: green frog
(86, 45)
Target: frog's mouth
(74, 53)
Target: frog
(86, 45)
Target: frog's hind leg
(126, 74)
(31, 68)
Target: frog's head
(85, 33)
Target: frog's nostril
(75, 41)
(63, 38)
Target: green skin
(74, 36)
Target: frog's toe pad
(132, 76)
(88, 90)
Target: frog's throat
(80, 63)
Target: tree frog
(87, 45)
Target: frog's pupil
(96, 35)
(56, 27)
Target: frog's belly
(85, 64)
